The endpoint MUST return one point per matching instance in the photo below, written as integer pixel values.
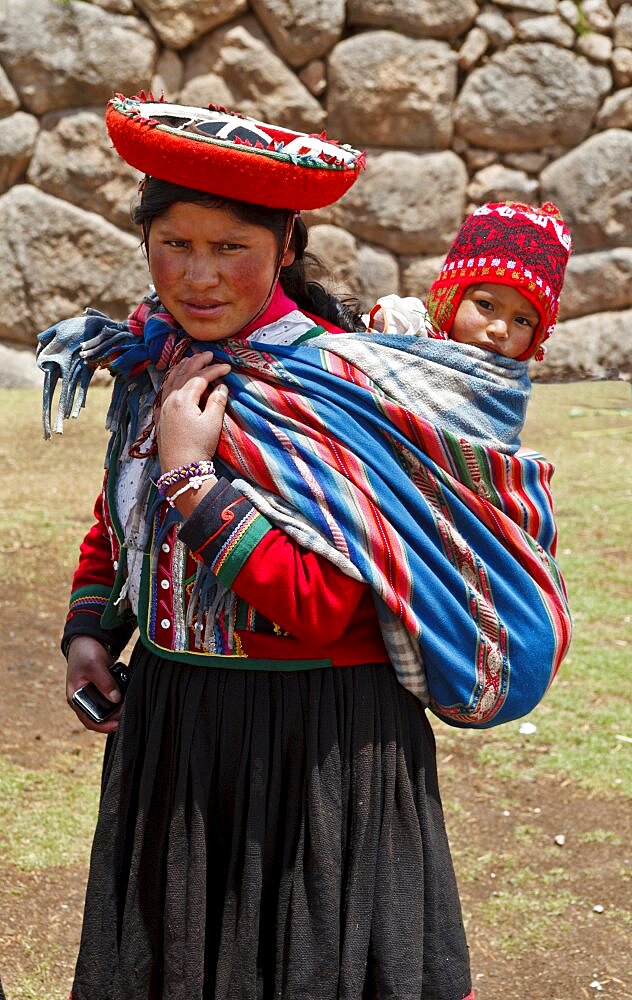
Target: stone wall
(457, 102)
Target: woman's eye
(231, 247)
(178, 244)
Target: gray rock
(18, 133)
(388, 90)
(178, 23)
(597, 282)
(421, 18)
(407, 202)
(533, 163)
(337, 250)
(378, 274)
(496, 26)
(474, 48)
(529, 96)
(9, 100)
(18, 369)
(597, 15)
(167, 78)
(60, 55)
(476, 159)
(116, 6)
(535, 6)
(623, 27)
(622, 66)
(301, 29)
(314, 76)
(595, 347)
(74, 160)
(57, 259)
(569, 10)
(499, 183)
(616, 110)
(418, 274)
(592, 186)
(547, 28)
(594, 46)
(209, 89)
(256, 81)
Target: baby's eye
(484, 304)
(525, 321)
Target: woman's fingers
(194, 381)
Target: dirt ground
(572, 953)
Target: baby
(499, 287)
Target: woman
(270, 822)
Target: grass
(46, 815)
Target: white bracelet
(193, 483)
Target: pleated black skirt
(270, 835)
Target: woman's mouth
(203, 309)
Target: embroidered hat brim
(230, 155)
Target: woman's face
(212, 271)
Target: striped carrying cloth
(396, 458)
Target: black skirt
(270, 835)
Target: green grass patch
(47, 816)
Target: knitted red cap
(506, 243)
(227, 154)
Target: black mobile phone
(95, 705)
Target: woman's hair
(157, 196)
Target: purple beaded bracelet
(184, 473)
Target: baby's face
(497, 318)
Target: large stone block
(18, 133)
(616, 110)
(423, 18)
(302, 29)
(592, 186)
(418, 274)
(378, 274)
(57, 259)
(18, 369)
(337, 251)
(623, 27)
(498, 183)
(594, 347)
(60, 55)
(74, 160)
(388, 90)
(406, 202)
(9, 100)
(255, 79)
(597, 282)
(530, 96)
(180, 22)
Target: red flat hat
(214, 150)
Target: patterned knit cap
(506, 243)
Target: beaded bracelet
(193, 483)
(183, 473)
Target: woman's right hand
(191, 413)
(88, 661)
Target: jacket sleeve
(91, 588)
(293, 587)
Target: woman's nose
(201, 271)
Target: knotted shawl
(397, 458)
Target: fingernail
(114, 695)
